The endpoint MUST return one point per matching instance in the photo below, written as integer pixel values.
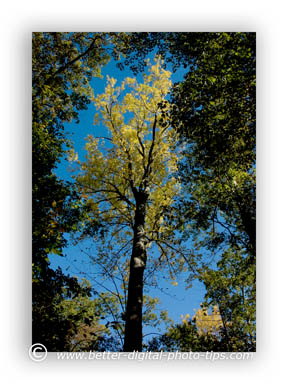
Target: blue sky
(178, 301)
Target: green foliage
(62, 65)
(48, 324)
(215, 111)
(84, 315)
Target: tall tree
(214, 111)
(129, 183)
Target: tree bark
(133, 325)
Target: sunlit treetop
(141, 154)
(137, 155)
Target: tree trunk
(133, 326)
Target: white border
(268, 19)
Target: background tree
(50, 326)
(62, 66)
(86, 317)
(200, 334)
(231, 287)
(130, 185)
(215, 110)
(208, 331)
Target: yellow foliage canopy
(138, 153)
